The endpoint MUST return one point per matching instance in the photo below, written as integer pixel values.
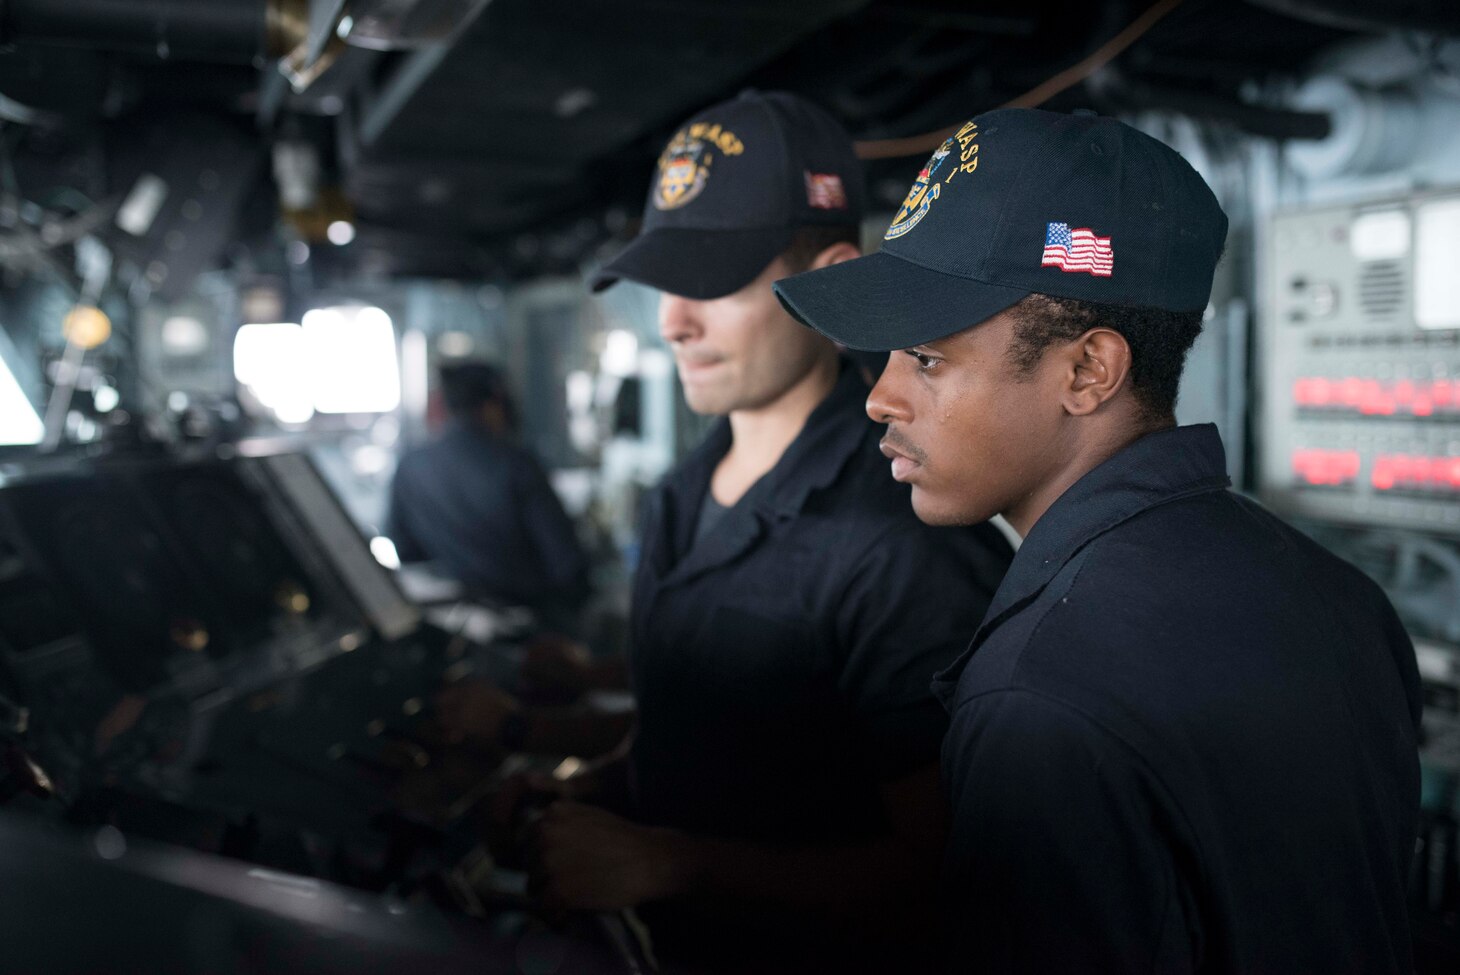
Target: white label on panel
(1380, 236)
(1436, 272)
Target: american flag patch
(1077, 250)
(824, 191)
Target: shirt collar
(834, 431)
(1157, 468)
(832, 434)
(456, 426)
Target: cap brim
(880, 302)
(693, 263)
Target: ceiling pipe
(1442, 16)
(205, 30)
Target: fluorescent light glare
(105, 398)
(184, 335)
(384, 551)
(620, 353)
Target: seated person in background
(479, 506)
(789, 611)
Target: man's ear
(835, 254)
(1095, 367)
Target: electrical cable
(917, 145)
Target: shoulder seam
(1084, 556)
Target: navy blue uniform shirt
(781, 662)
(481, 507)
(1183, 740)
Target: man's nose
(886, 403)
(677, 319)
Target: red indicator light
(1326, 467)
(1404, 470)
(1351, 392)
(1370, 397)
(1383, 476)
(1375, 400)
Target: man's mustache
(894, 439)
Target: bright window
(19, 421)
(351, 352)
(339, 360)
(269, 358)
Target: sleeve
(1066, 854)
(397, 518)
(912, 605)
(1401, 648)
(550, 532)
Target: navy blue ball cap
(731, 188)
(1023, 202)
(698, 264)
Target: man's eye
(925, 362)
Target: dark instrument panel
(205, 654)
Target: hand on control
(555, 662)
(474, 709)
(586, 858)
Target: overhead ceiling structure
(509, 138)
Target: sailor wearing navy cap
(1184, 737)
(789, 608)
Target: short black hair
(1158, 340)
(808, 242)
(467, 386)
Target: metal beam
(386, 106)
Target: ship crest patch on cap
(924, 193)
(939, 171)
(684, 167)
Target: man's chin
(702, 406)
(936, 510)
(712, 400)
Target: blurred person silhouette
(478, 505)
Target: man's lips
(903, 466)
(697, 363)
